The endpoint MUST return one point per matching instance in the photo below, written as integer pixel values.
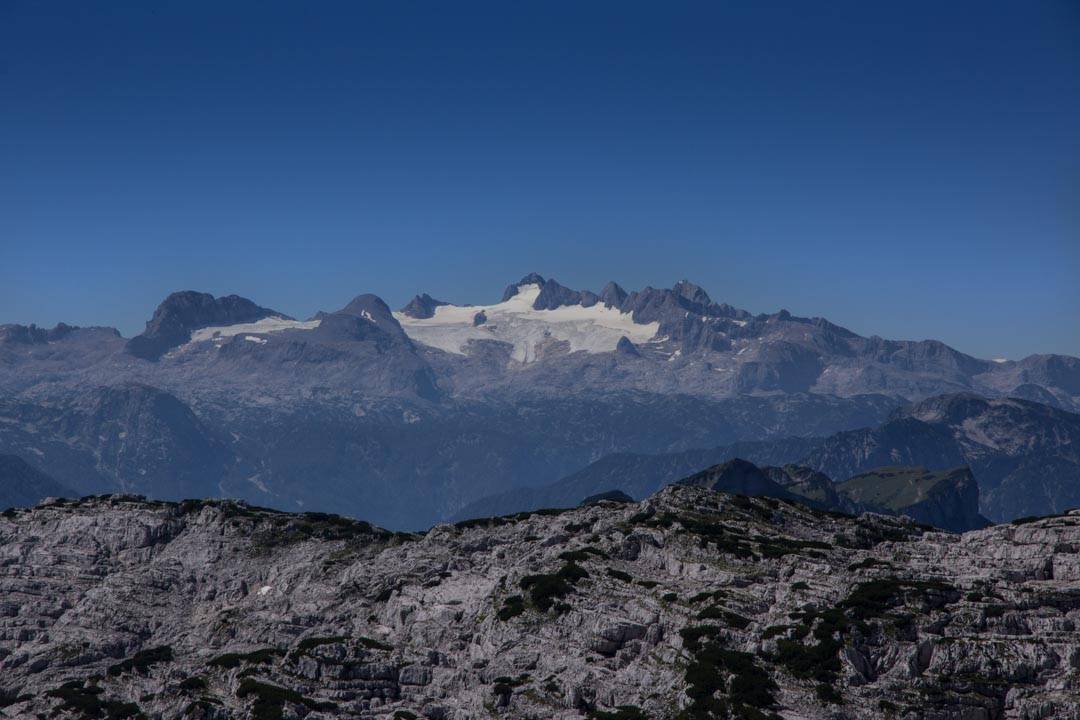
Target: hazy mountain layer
(1023, 456)
(407, 417)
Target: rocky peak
(182, 312)
(530, 279)
(553, 295)
(365, 317)
(422, 306)
(737, 476)
(612, 295)
(949, 409)
(625, 347)
(692, 293)
(32, 334)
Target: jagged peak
(32, 334)
(184, 311)
(613, 295)
(422, 306)
(692, 293)
(530, 279)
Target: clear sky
(910, 169)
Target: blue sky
(906, 169)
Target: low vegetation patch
(270, 699)
(141, 661)
(723, 683)
(373, 644)
(718, 612)
(582, 554)
(87, 702)
(623, 712)
(227, 661)
(499, 521)
(291, 529)
(513, 606)
(545, 590)
(777, 547)
(873, 600)
(311, 643)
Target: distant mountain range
(23, 486)
(408, 417)
(1025, 457)
(946, 499)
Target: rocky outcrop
(691, 604)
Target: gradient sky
(908, 169)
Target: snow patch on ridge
(593, 329)
(264, 326)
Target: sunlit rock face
(692, 603)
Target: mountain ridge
(915, 435)
(494, 397)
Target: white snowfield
(262, 327)
(593, 329)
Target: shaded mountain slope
(946, 499)
(23, 486)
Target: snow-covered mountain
(405, 417)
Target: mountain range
(1023, 455)
(407, 417)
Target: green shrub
(623, 712)
(581, 554)
(269, 699)
(264, 656)
(717, 612)
(774, 630)
(545, 589)
(372, 644)
(142, 660)
(87, 702)
(828, 694)
(513, 606)
(744, 687)
(314, 642)
(620, 575)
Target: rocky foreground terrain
(692, 604)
